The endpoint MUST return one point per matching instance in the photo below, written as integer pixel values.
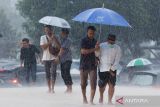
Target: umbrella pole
(100, 33)
(100, 29)
(84, 32)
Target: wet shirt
(28, 54)
(47, 56)
(88, 61)
(109, 56)
(66, 45)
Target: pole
(100, 29)
(100, 32)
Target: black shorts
(106, 77)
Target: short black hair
(91, 28)
(111, 37)
(65, 30)
(49, 27)
(25, 40)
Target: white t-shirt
(46, 54)
(109, 56)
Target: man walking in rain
(109, 54)
(28, 58)
(65, 58)
(48, 40)
(88, 64)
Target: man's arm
(97, 52)
(65, 45)
(38, 54)
(57, 43)
(87, 51)
(117, 59)
(44, 45)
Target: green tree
(32, 11)
(144, 25)
(7, 42)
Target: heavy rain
(125, 42)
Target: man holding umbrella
(88, 64)
(51, 47)
(48, 40)
(109, 54)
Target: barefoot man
(109, 54)
(88, 64)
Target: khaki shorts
(92, 77)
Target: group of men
(105, 57)
(50, 61)
(102, 57)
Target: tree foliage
(8, 35)
(143, 15)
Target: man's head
(64, 31)
(91, 31)
(48, 30)
(111, 39)
(25, 42)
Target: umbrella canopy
(102, 16)
(139, 62)
(54, 21)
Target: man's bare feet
(53, 91)
(91, 103)
(68, 91)
(110, 103)
(49, 91)
(100, 100)
(85, 101)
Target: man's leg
(65, 72)
(27, 70)
(84, 78)
(93, 83)
(48, 75)
(102, 84)
(101, 91)
(33, 72)
(110, 93)
(111, 83)
(54, 74)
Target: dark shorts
(105, 78)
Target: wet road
(38, 96)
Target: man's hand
(57, 60)
(88, 51)
(112, 72)
(97, 46)
(50, 41)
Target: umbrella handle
(100, 32)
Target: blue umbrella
(102, 16)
